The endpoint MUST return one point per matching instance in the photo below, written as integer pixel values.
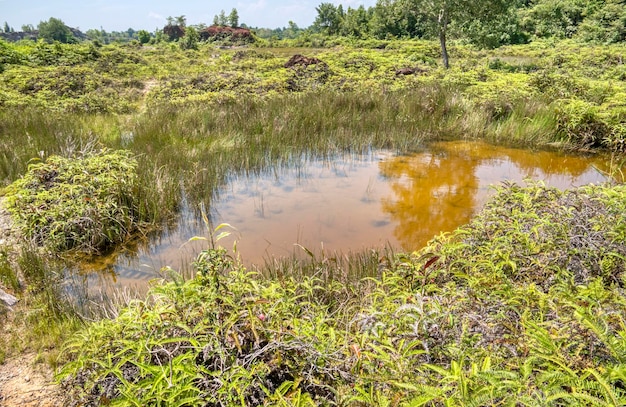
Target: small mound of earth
(301, 60)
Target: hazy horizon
(117, 15)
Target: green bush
(223, 338)
(85, 204)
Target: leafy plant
(83, 204)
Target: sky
(119, 15)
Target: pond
(352, 202)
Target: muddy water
(355, 202)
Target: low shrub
(83, 204)
(223, 338)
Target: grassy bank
(523, 306)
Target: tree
(159, 35)
(605, 25)
(356, 22)
(174, 32)
(143, 36)
(222, 20)
(233, 18)
(554, 18)
(440, 13)
(503, 29)
(328, 19)
(190, 40)
(55, 30)
(28, 28)
(396, 19)
(291, 31)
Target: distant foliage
(515, 23)
(55, 30)
(190, 40)
(143, 36)
(233, 18)
(605, 25)
(174, 32)
(227, 35)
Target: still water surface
(353, 202)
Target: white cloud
(156, 16)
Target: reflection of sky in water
(322, 204)
(355, 202)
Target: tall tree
(222, 19)
(394, 18)
(233, 18)
(355, 22)
(181, 21)
(55, 30)
(555, 18)
(328, 18)
(440, 13)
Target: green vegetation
(84, 204)
(568, 92)
(522, 306)
(55, 30)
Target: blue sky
(119, 15)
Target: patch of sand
(26, 384)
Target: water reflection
(432, 192)
(440, 189)
(354, 202)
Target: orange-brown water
(357, 202)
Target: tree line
(485, 23)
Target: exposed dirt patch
(148, 85)
(26, 384)
(301, 60)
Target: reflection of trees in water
(532, 163)
(433, 192)
(437, 191)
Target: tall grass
(190, 150)
(33, 134)
(46, 314)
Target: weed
(84, 204)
